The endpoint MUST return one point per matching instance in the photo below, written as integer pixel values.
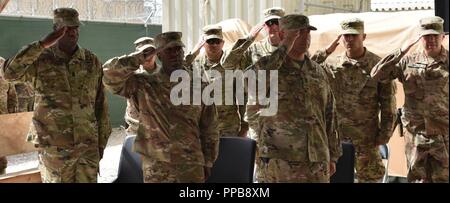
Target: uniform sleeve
(117, 72)
(241, 109)
(389, 68)
(320, 56)
(13, 103)
(239, 55)
(190, 58)
(334, 142)
(273, 61)
(23, 66)
(101, 111)
(209, 134)
(388, 104)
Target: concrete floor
(108, 165)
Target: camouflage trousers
(427, 157)
(284, 171)
(165, 172)
(3, 164)
(368, 163)
(79, 165)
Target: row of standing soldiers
(322, 101)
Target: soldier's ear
(281, 34)
(364, 36)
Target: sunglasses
(214, 41)
(272, 22)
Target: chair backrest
(384, 151)
(236, 161)
(130, 165)
(345, 168)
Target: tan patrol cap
(169, 39)
(352, 26)
(144, 43)
(213, 32)
(432, 25)
(66, 17)
(273, 13)
(295, 21)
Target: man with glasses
(229, 120)
(132, 110)
(70, 125)
(244, 53)
(424, 76)
(178, 143)
(359, 99)
(299, 143)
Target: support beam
(3, 4)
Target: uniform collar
(79, 54)
(442, 58)
(361, 62)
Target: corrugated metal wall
(189, 16)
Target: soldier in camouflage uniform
(132, 110)
(299, 143)
(228, 115)
(8, 104)
(424, 75)
(178, 143)
(70, 125)
(246, 52)
(360, 99)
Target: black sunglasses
(272, 22)
(214, 41)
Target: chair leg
(386, 174)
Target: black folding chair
(384, 152)
(345, 167)
(130, 165)
(236, 161)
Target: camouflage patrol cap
(352, 26)
(169, 39)
(273, 13)
(295, 21)
(66, 17)
(144, 43)
(213, 32)
(431, 25)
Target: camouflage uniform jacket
(229, 120)
(8, 97)
(25, 95)
(360, 99)
(71, 107)
(303, 128)
(244, 53)
(184, 134)
(425, 81)
(132, 111)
